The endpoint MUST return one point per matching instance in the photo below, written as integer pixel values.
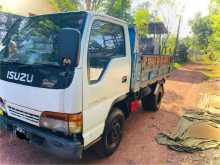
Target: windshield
(33, 40)
(30, 46)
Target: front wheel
(152, 102)
(112, 134)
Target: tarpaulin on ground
(196, 131)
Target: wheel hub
(115, 134)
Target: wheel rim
(114, 135)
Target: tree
(119, 9)
(93, 5)
(116, 8)
(166, 8)
(65, 5)
(70, 5)
(213, 6)
(141, 20)
(214, 39)
(171, 41)
(206, 33)
(163, 2)
(201, 28)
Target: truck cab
(66, 81)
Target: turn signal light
(61, 122)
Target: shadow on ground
(141, 140)
(188, 75)
(171, 96)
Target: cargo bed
(147, 69)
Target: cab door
(107, 76)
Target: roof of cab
(106, 16)
(87, 12)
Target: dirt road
(183, 91)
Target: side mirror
(68, 41)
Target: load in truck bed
(148, 69)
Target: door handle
(124, 79)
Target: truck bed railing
(155, 59)
(149, 69)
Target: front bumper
(64, 147)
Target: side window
(106, 42)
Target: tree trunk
(96, 4)
(88, 4)
(111, 7)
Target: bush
(176, 65)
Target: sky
(23, 7)
(191, 7)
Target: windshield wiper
(10, 62)
(40, 65)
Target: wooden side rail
(156, 60)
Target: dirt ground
(184, 90)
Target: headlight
(66, 123)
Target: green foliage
(141, 20)
(213, 71)
(216, 1)
(176, 65)
(94, 5)
(213, 6)
(116, 8)
(119, 9)
(6, 10)
(201, 28)
(206, 33)
(184, 43)
(168, 2)
(214, 39)
(65, 5)
(171, 44)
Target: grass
(176, 65)
(213, 66)
(213, 71)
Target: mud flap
(157, 88)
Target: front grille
(24, 116)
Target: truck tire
(152, 102)
(112, 134)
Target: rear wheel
(112, 134)
(152, 102)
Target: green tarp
(196, 131)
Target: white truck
(69, 81)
